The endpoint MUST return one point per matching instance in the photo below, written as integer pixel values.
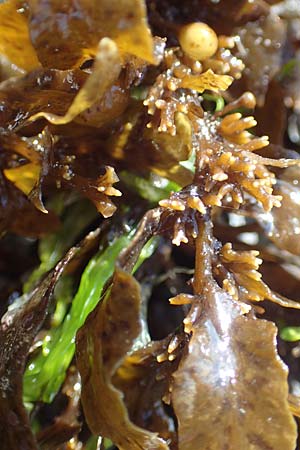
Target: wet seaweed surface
(150, 224)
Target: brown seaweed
(192, 107)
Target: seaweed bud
(198, 40)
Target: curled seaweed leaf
(19, 327)
(40, 90)
(102, 344)
(105, 72)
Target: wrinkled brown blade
(263, 61)
(66, 33)
(230, 391)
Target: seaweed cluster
(150, 222)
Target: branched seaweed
(96, 99)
